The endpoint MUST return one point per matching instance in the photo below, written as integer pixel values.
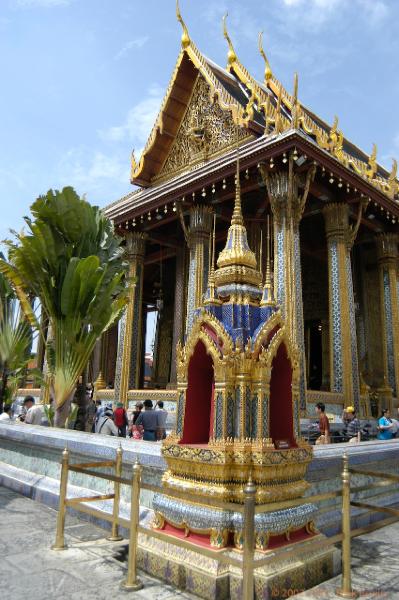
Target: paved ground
(90, 569)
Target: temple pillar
(387, 249)
(287, 206)
(179, 311)
(344, 369)
(130, 339)
(198, 242)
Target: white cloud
(89, 172)
(136, 43)
(41, 3)
(139, 120)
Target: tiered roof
(260, 110)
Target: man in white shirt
(34, 413)
(5, 415)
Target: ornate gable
(205, 131)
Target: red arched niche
(198, 415)
(281, 417)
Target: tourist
(136, 431)
(91, 414)
(6, 414)
(105, 424)
(120, 419)
(34, 413)
(139, 408)
(351, 431)
(149, 420)
(162, 416)
(324, 424)
(385, 426)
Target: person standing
(6, 414)
(352, 426)
(324, 424)
(149, 420)
(385, 426)
(162, 416)
(120, 419)
(34, 414)
(105, 424)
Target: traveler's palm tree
(15, 341)
(72, 261)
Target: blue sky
(82, 80)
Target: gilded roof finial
(133, 165)
(231, 55)
(185, 38)
(268, 71)
(294, 110)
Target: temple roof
(256, 108)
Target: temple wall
(30, 458)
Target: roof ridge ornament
(185, 38)
(268, 72)
(231, 55)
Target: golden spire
(268, 71)
(237, 263)
(210, 297)
(268, 295)
(237, 218)
(231, 55)
(185, 38)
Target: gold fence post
(115, 537)
(249, 541)
(346, 590)
(132, 582)
(59, 536)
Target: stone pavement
(88, 570)
(92, 568)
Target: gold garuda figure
(238, 408)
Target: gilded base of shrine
(210, 579)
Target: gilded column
(198, 242)
(288, 204)
(179, 311)
(344, 369)
(130, 340)
(388, 256)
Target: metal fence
(248, 563)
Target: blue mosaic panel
(280, 283)
(237, 414)
(265, 416)
(180, 414)
(335, 315)
(254, 416)
(191, 291)
(353, 337)
(389, 329)
(247, 420)
(219, 416)
(230, 415)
